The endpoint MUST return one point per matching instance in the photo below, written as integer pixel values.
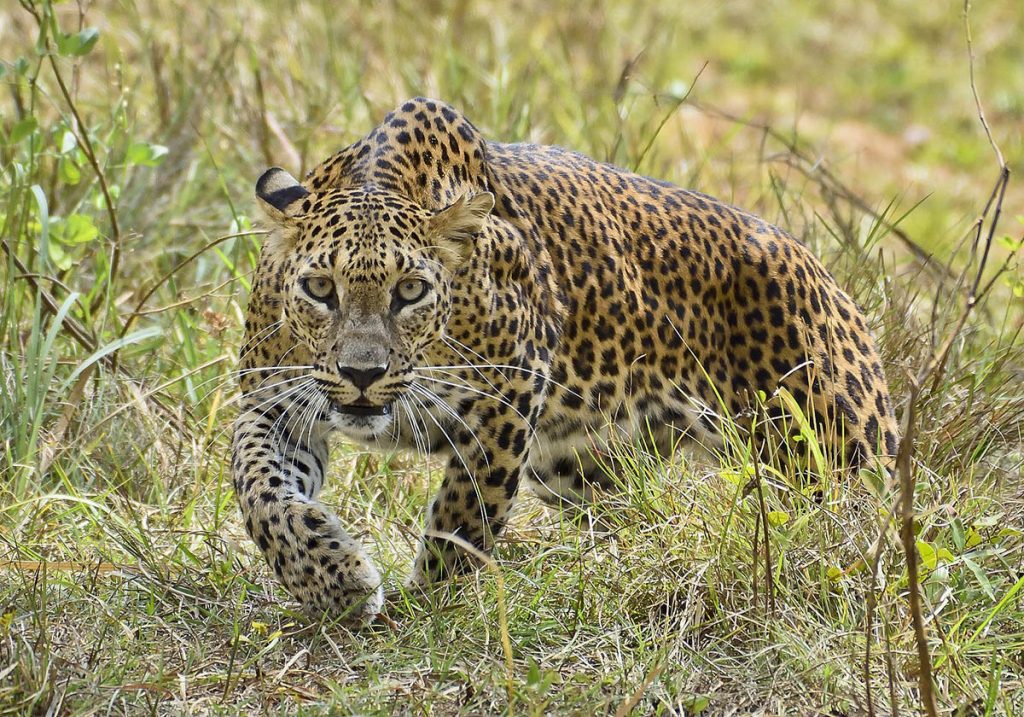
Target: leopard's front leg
(479, 487)
(277, 475)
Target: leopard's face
(366, 290)
(367, 295)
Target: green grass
(127, 583)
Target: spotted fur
(588, 303)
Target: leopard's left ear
(280, 195)
(455, 225)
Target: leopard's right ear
(280, 195)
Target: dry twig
(934, 371)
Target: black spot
(871, 432)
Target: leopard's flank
(508, 307)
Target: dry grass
(127, 584)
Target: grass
(127, 584)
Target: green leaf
(76, 229)
(990, 521)
(533, 674)
(1011, 244)
(1008, 534)
(778, 517)
(146, 154)
(929, 557)
(23, 129)
(957, 530)
(68, 171)
(60, 258)
(21, 66)
(834, 573)
(78, 44)
(79, 229)
(982, 579)
(695, 704)
(68, 141)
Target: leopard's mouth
(361, 408)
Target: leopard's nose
(362, 378)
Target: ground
(126, 581)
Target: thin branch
(77, 331)
(82, 135)
(875, 556)
(137, 311)
(935, 370)
(974, 85)
(907, 485)
(677, 102)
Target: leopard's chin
(369, 427)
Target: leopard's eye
(410, 290)
(319, 287)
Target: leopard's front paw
(328, 570)
(352, 591)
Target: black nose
(361, 378)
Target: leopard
(509, 309)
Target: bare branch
(935, 370)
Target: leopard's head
(365, 281)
